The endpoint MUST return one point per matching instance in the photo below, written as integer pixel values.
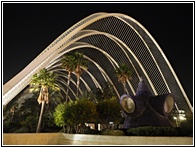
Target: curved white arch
(22, 79)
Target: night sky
(28, 28)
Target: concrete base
(82, 139)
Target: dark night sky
(28, 28)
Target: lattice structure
(107, 40)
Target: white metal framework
(107, 40)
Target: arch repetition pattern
(107, 40)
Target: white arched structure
(107, 40)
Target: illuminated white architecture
(107, 40)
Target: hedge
(159, 131)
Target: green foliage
(79, 60)
(43, 78)
(112, 132)
(85, 111)
(24, 116)
(59, 115)
(43, 81)
(22, 130)
(188, 123)
(75, 113)
(159, 131)
(29, 122)
(74, 61)
(27, 113)
(68, 62)
(10, 127)
(109, 110)
(87, 95)
(106, 93)
(87, 130)
(145, 131)
(123, 71)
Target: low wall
(82, 139)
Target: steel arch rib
(99, 67)
(165, 58)
(22, 79)
(120, 43)
(104, 74)
(112, 61)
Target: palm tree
(123, 72)
(80, 64)
(68, 63)
(43, 81)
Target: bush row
(159, 131)
(150, 131)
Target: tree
(21, 117)
(43, 81)
(59, 115)
(75, 114)
(106, 93)
(68, 63)
(123, 72)
(80, 64)
(109, 111)
(28, 116)
(87, 95)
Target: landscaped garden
(45, 106)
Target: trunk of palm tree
(68, 81)
(78, 72)
(125, 88)
(123, 81)
(40, 117)
(78, 83)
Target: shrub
(185, 131)
(109, 110)
(75, 114)
(22, 130)
(159, 131)
(144, 131)
(91, 131)
(112, 132)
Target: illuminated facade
(107, 40)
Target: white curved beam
(22, 79)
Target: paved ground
(82, 139)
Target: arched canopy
(107, 40)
